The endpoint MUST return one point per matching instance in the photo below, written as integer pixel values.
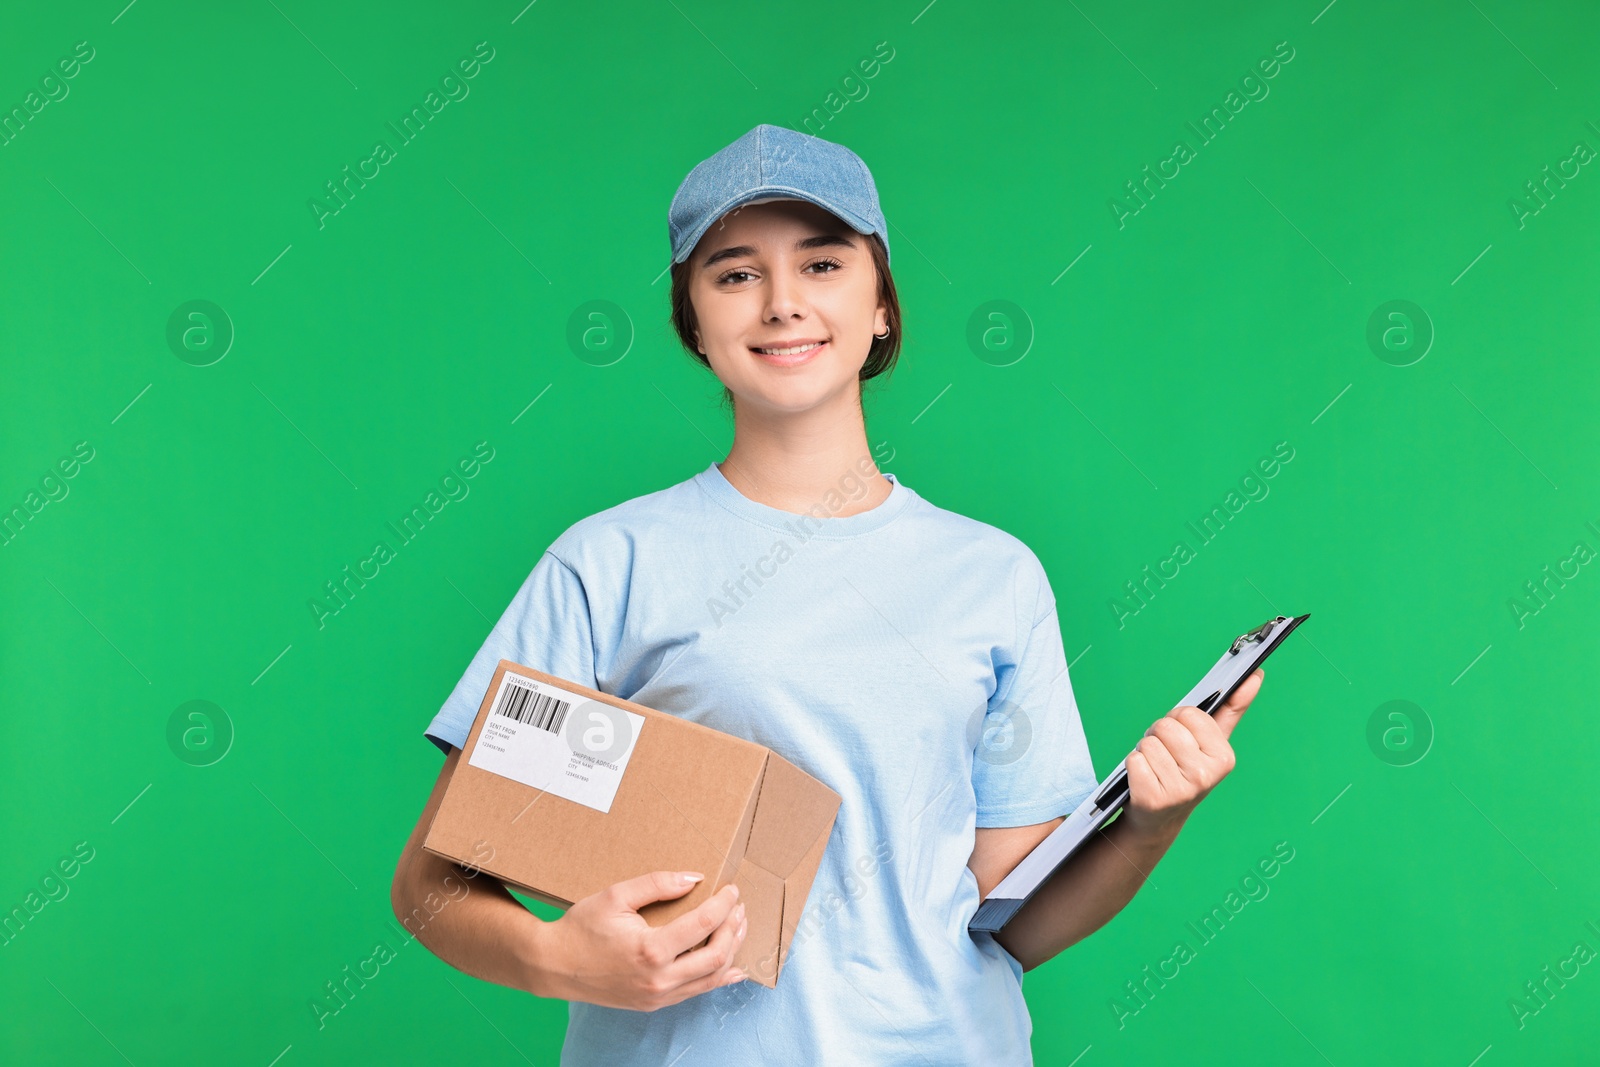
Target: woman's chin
(793, 397)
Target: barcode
(530, 706)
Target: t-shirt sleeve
(546, 626)
(1031, 762)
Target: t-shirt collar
(819, 522)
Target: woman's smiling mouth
(790, 355)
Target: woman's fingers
(1142, 781)
(1185, 753)
(1162, 766)
(709, 982)
(1179, 737)
(691, 928)
(709, 962)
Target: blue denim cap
(774, 163)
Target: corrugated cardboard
(690, 799)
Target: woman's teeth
(788, 351)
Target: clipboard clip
(1253, 636)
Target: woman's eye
(737, 276)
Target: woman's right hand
(602, 951)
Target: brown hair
(881, 357)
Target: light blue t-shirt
(908, 657)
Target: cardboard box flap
(797, 887)
(793, 824)
(793, 811)
(762, 894)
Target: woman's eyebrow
(805, 244)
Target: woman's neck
(795, 463)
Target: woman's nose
(785, 297)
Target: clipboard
(1247, 652)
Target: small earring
(885, 333)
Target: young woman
(795, 595)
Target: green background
(371, 353)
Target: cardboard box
(562, 790)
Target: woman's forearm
(470, 921)
(1083, 896)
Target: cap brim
(761, 196)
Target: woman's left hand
(1181, 758)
